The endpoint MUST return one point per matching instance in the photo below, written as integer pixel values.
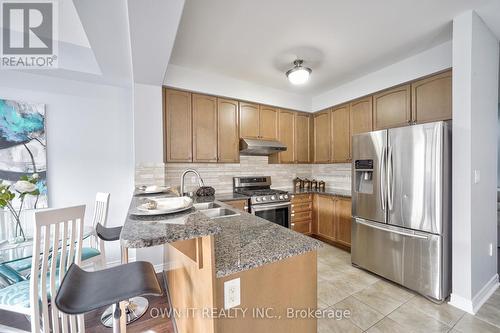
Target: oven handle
(260, 207)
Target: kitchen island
(274, 266)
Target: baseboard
(473, 306)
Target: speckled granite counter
(241, 242)
(327, 191)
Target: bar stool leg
(134, 308)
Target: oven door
(279, 213)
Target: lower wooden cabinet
(332, 219)
(302, 213)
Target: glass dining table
(15, 256)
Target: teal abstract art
(23, 146)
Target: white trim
(473, 306)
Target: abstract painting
(23, 146)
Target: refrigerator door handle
(402, 233)
(382, 178)
(390, 191)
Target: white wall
(475, 116)
(430, 61)
(185, 78)
(89, 141)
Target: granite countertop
(241, 242)
(328, 191)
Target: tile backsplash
(220, 176)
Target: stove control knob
(264, 198)
(273, 197)
(286, 196)
(281, 197)
(257, 199)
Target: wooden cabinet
(342, 220)
(324, 208)
(302, 138)
(391, 108)
(238, 204)
(249, 120)
(204, 128)
(431, 98)
(302, 213)
(361, 115)
(228, 132)
(178, 127)
(268, 123)
(322, 139)
(341, 134)
(332, 219)
(286, 136)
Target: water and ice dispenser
(364, 176)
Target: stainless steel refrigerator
(401, 206)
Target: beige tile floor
(376, 305)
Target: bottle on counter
(321, 185)
(314, 184)
(298, 184)
(307, 184)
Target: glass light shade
(299, 75)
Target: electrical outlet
(232, 293)
(491, 250)
(477, 176)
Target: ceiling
(340, 40)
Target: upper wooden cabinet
(178, 127)
(361, 115)
(228, 136)
(341, 134)
(302, 138)
(287, 136)
(431, 98)
(268, 123)
(392, 108)
(204, 128)
(249, 120)
(322, 137)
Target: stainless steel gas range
(272, 205)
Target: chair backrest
(58, 238)
(100, 217)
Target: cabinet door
(391, 108)
(228, 136)
(343, 221)
(268, 123)
(286, 136)
(178, 127)
(322, 137)
(431, 98)
(204, 128)
(324, 216)
(341, 134)
(302, 138)
(249, 120)
(361, 115)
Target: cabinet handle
(293, 215)
(293, 212)
(293, 224)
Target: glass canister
(314, 184)
(321, 185)
(307, 184)
(297, 183)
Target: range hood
(254, 147)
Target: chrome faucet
(200, 181)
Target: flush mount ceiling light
(298, 74)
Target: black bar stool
(136, 306)
(81, 291)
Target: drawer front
(301, 207)
(303, 227)
(301, 216)
(297, 198)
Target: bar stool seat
(83, 291)
(108, 234)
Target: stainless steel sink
(205, 205)
(219, 212)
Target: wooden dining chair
(58, 238)
(94, 254)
